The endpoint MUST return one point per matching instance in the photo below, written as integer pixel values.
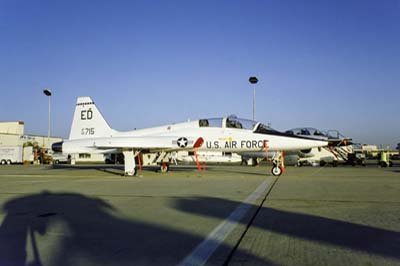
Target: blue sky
(325, 64)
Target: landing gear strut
(130, 165)
(278, 167)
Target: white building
(13, 134)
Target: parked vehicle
(59, 157)
(11, 154)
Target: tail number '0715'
(87, 131)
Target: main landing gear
(130, 165)
(164, 167)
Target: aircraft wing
(165, 143)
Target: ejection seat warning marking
(205, 249)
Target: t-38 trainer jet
(90, 133)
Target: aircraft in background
(337, 150)
(90, 133)
(334, 137)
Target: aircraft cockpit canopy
(229, 122)
(237, 123)
(234, 122)
(306, 131)
(211, 122)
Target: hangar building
(13, 134)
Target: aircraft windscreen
(264, 129)
(211, 122)
(234, 122)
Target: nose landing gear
(278, 167)
(276, 170)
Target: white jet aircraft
(90, 133)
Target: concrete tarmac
(227, 215)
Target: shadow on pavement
(118, 169)
(110, 169)
(92, 234)
(314, 228)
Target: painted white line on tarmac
(200, 255)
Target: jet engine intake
(57, 146)
(306, 151)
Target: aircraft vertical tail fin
(88, 121)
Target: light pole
(254, 80)
(47, 92)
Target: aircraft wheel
(164, 168)
(276, 170)
(322, 163)
(56, 162)
(384, 164)
(3, 162)
(8, 162)
(134, 172)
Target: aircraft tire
(276, 171)
(3, 162)
(135, 171)
(8, 162)
(164, 167)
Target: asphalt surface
(227, 215)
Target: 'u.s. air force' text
(248, 144)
